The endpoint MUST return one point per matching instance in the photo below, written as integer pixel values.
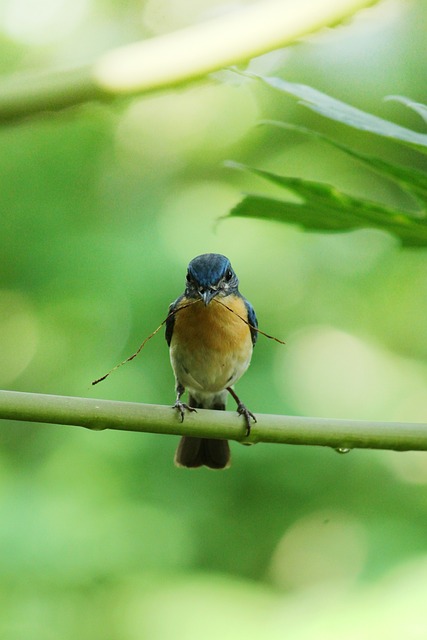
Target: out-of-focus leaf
(411, 180)
(420, 108)
(345, 113)
(325, 208)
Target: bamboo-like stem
(25, 95)
(175, 58)
(130, 416)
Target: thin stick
(248, 323)
(184, 306)
(142, 345)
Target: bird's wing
(252, 319)
(170, 321)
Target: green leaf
(420, 108)
(351, 116)
(411, 180)
(325, 208)
(322, 207)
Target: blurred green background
(102, 207)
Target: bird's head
(210, 275)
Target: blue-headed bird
(210, 350)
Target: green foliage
(321, 207)
(351, 116)
(102, 207)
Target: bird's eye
(228, 275)
(188, 277)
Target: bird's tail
(196, 452)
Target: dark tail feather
(196, 452)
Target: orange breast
(211, 346)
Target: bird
(210, 349)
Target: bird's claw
(243, 411)
(182, 407)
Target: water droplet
(98, 426)
(343, 450)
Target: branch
(175, 58)
(148, 418)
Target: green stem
(26, 95)
(175, 58)
(130, 416)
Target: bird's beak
(207, 295)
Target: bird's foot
(182, 407)
(243, 411)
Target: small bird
(210, 350)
